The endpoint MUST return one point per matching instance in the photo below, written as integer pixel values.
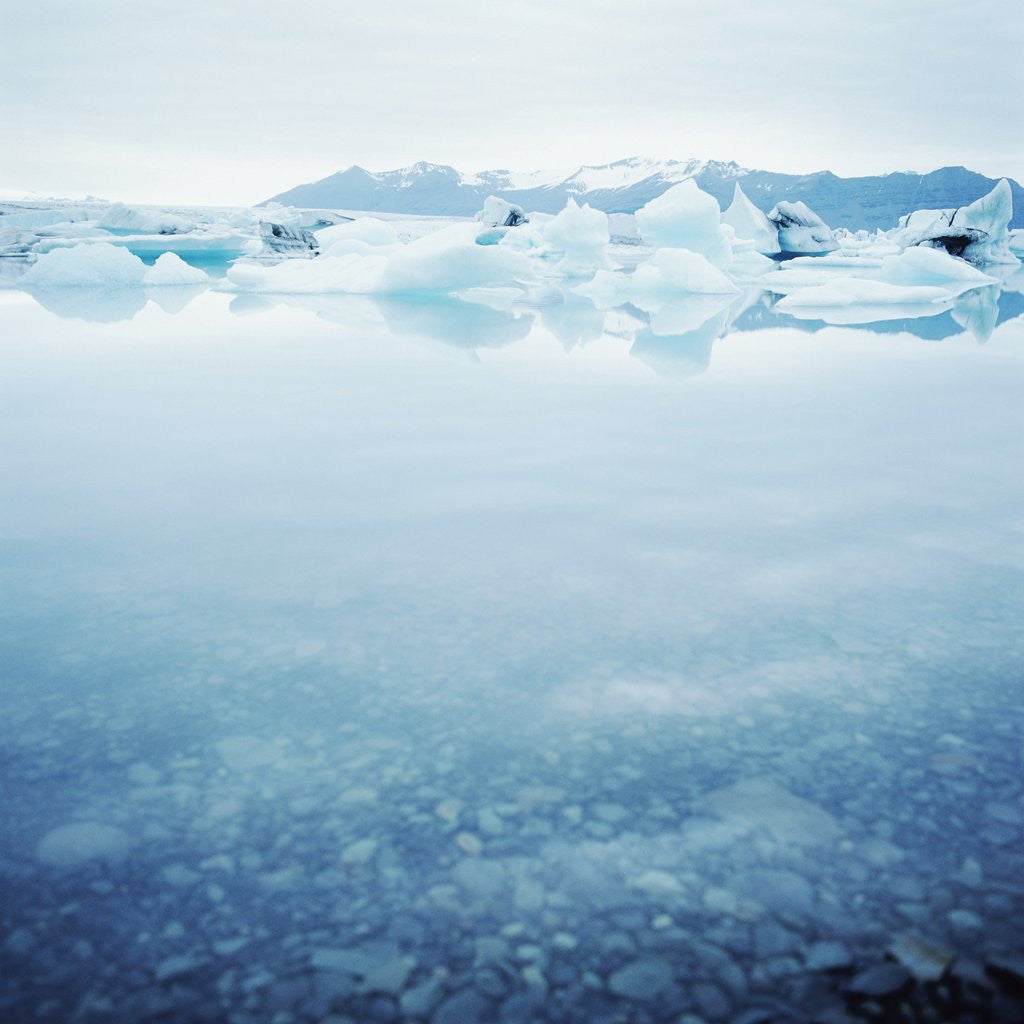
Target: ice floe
(170, 270)
(978, 232)
(748, 222)
(86, 265)
(685, 217)
(800, 229)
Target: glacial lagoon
(373, 660)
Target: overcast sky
(230, 102)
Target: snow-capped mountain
(626, 185)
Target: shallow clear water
(444, 662)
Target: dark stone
(465, 1007)
(879, 982)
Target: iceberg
(351, 273)
(86, 265)
(680, 270)
(685, 217)
(748, 222)
(370, 231)
(119, 217)
(171, 270)
(623, 230)
(581, 235)
(800, 229)
(931, 267)
(499, 213)
(287, 241)
(977, 232)
(445, 261)
(449, 260)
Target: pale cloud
(230, 102)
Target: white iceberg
(748, 222)
(449, 260)
(932, 267)
(685, 217)
(287, 241)
(622, 229)
(119, 217)
(977, 232)
(86, 265)
(800, 229)
(581, 235)
(499, 213)
(371, 232)
(680, 270)
(351, 273)
(171, 270)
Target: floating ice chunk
(606, 289)
(685, 217)
(921, 219)
(933, 267)
(214, 243)
(800, 228)
(680, 270)
(977, 232)
(449, 260)
(581, 234)
(286, 216)
(371, 231)
(350, 273)
(623, 230)
(82, 841)
(747, 221)
(277, 238)
(749, 265)
(95, 265)
(499, 213)
(119, 217)
(848, 291)
(171, 269)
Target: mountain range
(626, 185)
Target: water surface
(471, 662)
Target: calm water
(474, 663)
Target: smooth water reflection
(375, 679)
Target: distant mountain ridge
(626, 185)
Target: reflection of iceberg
(978, 312)
(933, 323)
(682, 355)
(245, 304)
(680, 315)
(101, 306)
(573, 320)
(174, 298)
(454, 322)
